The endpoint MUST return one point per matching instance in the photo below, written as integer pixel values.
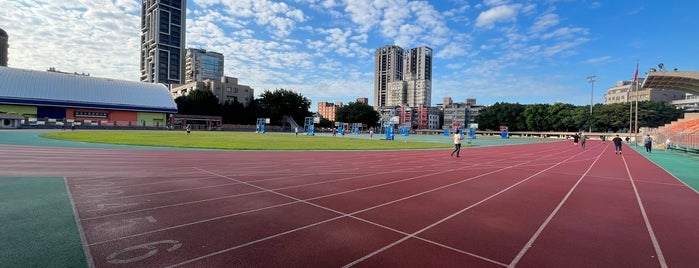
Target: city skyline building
(4, 46)
(418, 75)
(328, 109)
(201, 64)
(388, 68)
(402, 77)
(163, 28)
(225, 88)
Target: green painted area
(18, 109)
(680, 164)
(151, 119)
(37, 225)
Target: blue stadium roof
(39, 88)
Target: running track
(537, 205)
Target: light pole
(591, 80)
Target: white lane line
(351, 215)
(414, 235)
(538, 232)
(81, 232)
(656, 245)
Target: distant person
(617, 144)
(457, 143)
(648, 142)
(189, 129)
(668, 144)
(296, 131)
(628, 139)
(371, 134)
(575, 139)
(583, 139)
(334, 132)
(72, 126)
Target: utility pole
(591, 80)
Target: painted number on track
(103, 207)
(123, 224)
(103, 194)
(150, 250)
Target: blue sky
(492, 50)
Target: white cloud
(488, 18)
(544, 22)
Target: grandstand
(684, 133)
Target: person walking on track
(617, 144)
(457, 143)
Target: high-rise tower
(418, 76)
(163, 41)
(201, 65)
(3, 47)
(402, 77)
(388, 68)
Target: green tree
(654, 114)
(537, 117)
(357, 112)
(502, 114)
(198, 102)
(560, 117)
(282, 102)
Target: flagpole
(628, 98)
(636, 120)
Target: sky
(528, 52)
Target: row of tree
(271, 104)
(517, 117)
(568, 117)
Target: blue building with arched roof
(43, 97)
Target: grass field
(240, 140)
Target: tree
(198, 102)
(502, 114)
(537, 117)
(358, 112)
(281, 102)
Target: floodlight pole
(591, 80)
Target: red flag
(635, 75)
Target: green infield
(37, 225)
(241, 140)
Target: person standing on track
(575, 139)
(617, 144)
(648, 142)
(583, 138)
(457, 143)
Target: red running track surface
(537, 205)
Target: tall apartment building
(201, 65)
(388, 68)
(4, 45)
(402, 77)
(328, 109)
(162, 41)
(418, 75)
